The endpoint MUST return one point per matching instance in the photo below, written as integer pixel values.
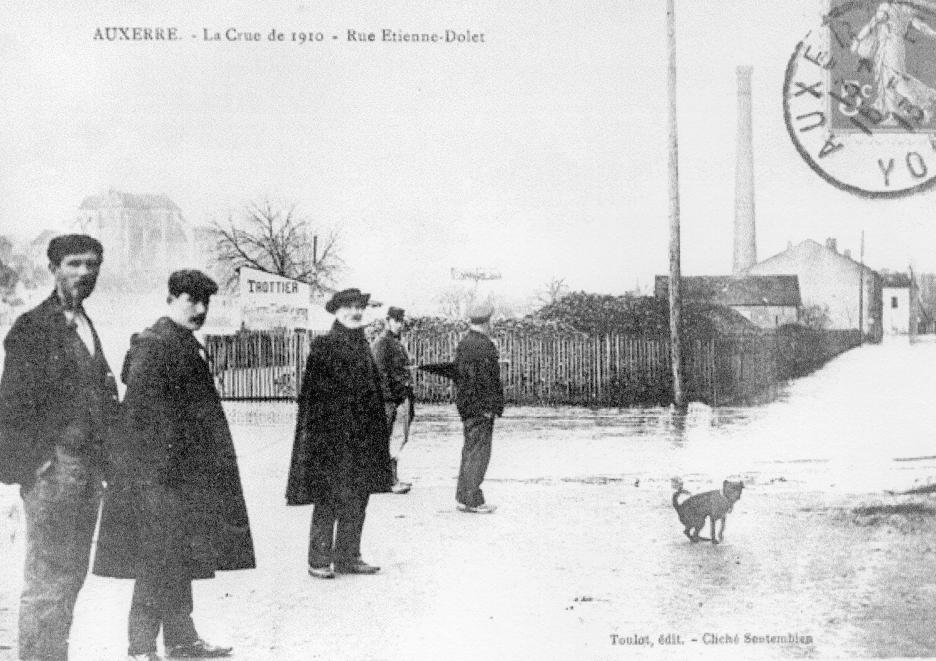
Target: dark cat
(712, 504)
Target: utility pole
(861, 291)
(675, 304)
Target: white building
(897, 297)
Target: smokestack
(745, 250)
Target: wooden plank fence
(555, 369)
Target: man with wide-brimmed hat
(396, 384)
(58, 403)
(479, 397)
(340, 453)
(174, 509)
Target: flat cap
(72, 244)
(396, 313)
(346, 298)
(192, 282)
(480, 313)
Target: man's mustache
(199, 318)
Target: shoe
(401, 487)
(152, 656)
(197, 649)
(321, 572)
(359, 567)
(483, 508)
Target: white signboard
(272, 301)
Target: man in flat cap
(58, 399)
(479, 397)
(340, 453)
(174, 510)
(396, 384)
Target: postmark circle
(859, 97)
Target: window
(894, 302)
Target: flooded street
(585, 557)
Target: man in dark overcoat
(396, 385)
(58, 399)
(479, 398)
(174, 509)
(340, 453)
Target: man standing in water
(479, 398)
(340, 453)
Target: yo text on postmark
(859, 97)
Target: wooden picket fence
(556, 369)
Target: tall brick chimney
(745, 249)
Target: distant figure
(882, 43)
(174, 509)
(396, 384)
(479, 397)
(58, 402)
(340, 453)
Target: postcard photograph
(467, 330)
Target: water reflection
(844, 425)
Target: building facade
(766, 301)
(848, 292)
(145, 236)
(900, 304)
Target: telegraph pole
(675, 304)
(861, 291)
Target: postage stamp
(859, 97)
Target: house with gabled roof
(767, 301)
(847, 291)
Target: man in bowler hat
(340, 453)
(174, 510)
(58, 400)
(479, 397)
(396, 384)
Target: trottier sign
(271, 301)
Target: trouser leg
(178, 627)
(61, 511)
(350, 527)
(476, 455)
(322, 534)
(160, 601)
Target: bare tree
(454, 301)
(552, 291)
(276, 238)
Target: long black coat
(341, 442)
(41, 392)
(174, 502)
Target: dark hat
(480, 313)
(72, 244)
(194, 283)
(396, 313)
(346, 298)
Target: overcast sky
(540, 152)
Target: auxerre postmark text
(859, 97)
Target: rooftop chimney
(831, 244)
(745, 250)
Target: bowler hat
(396, 313)
(480, 313)
(345, 298)
(72, 244)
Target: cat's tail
(678, 487)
